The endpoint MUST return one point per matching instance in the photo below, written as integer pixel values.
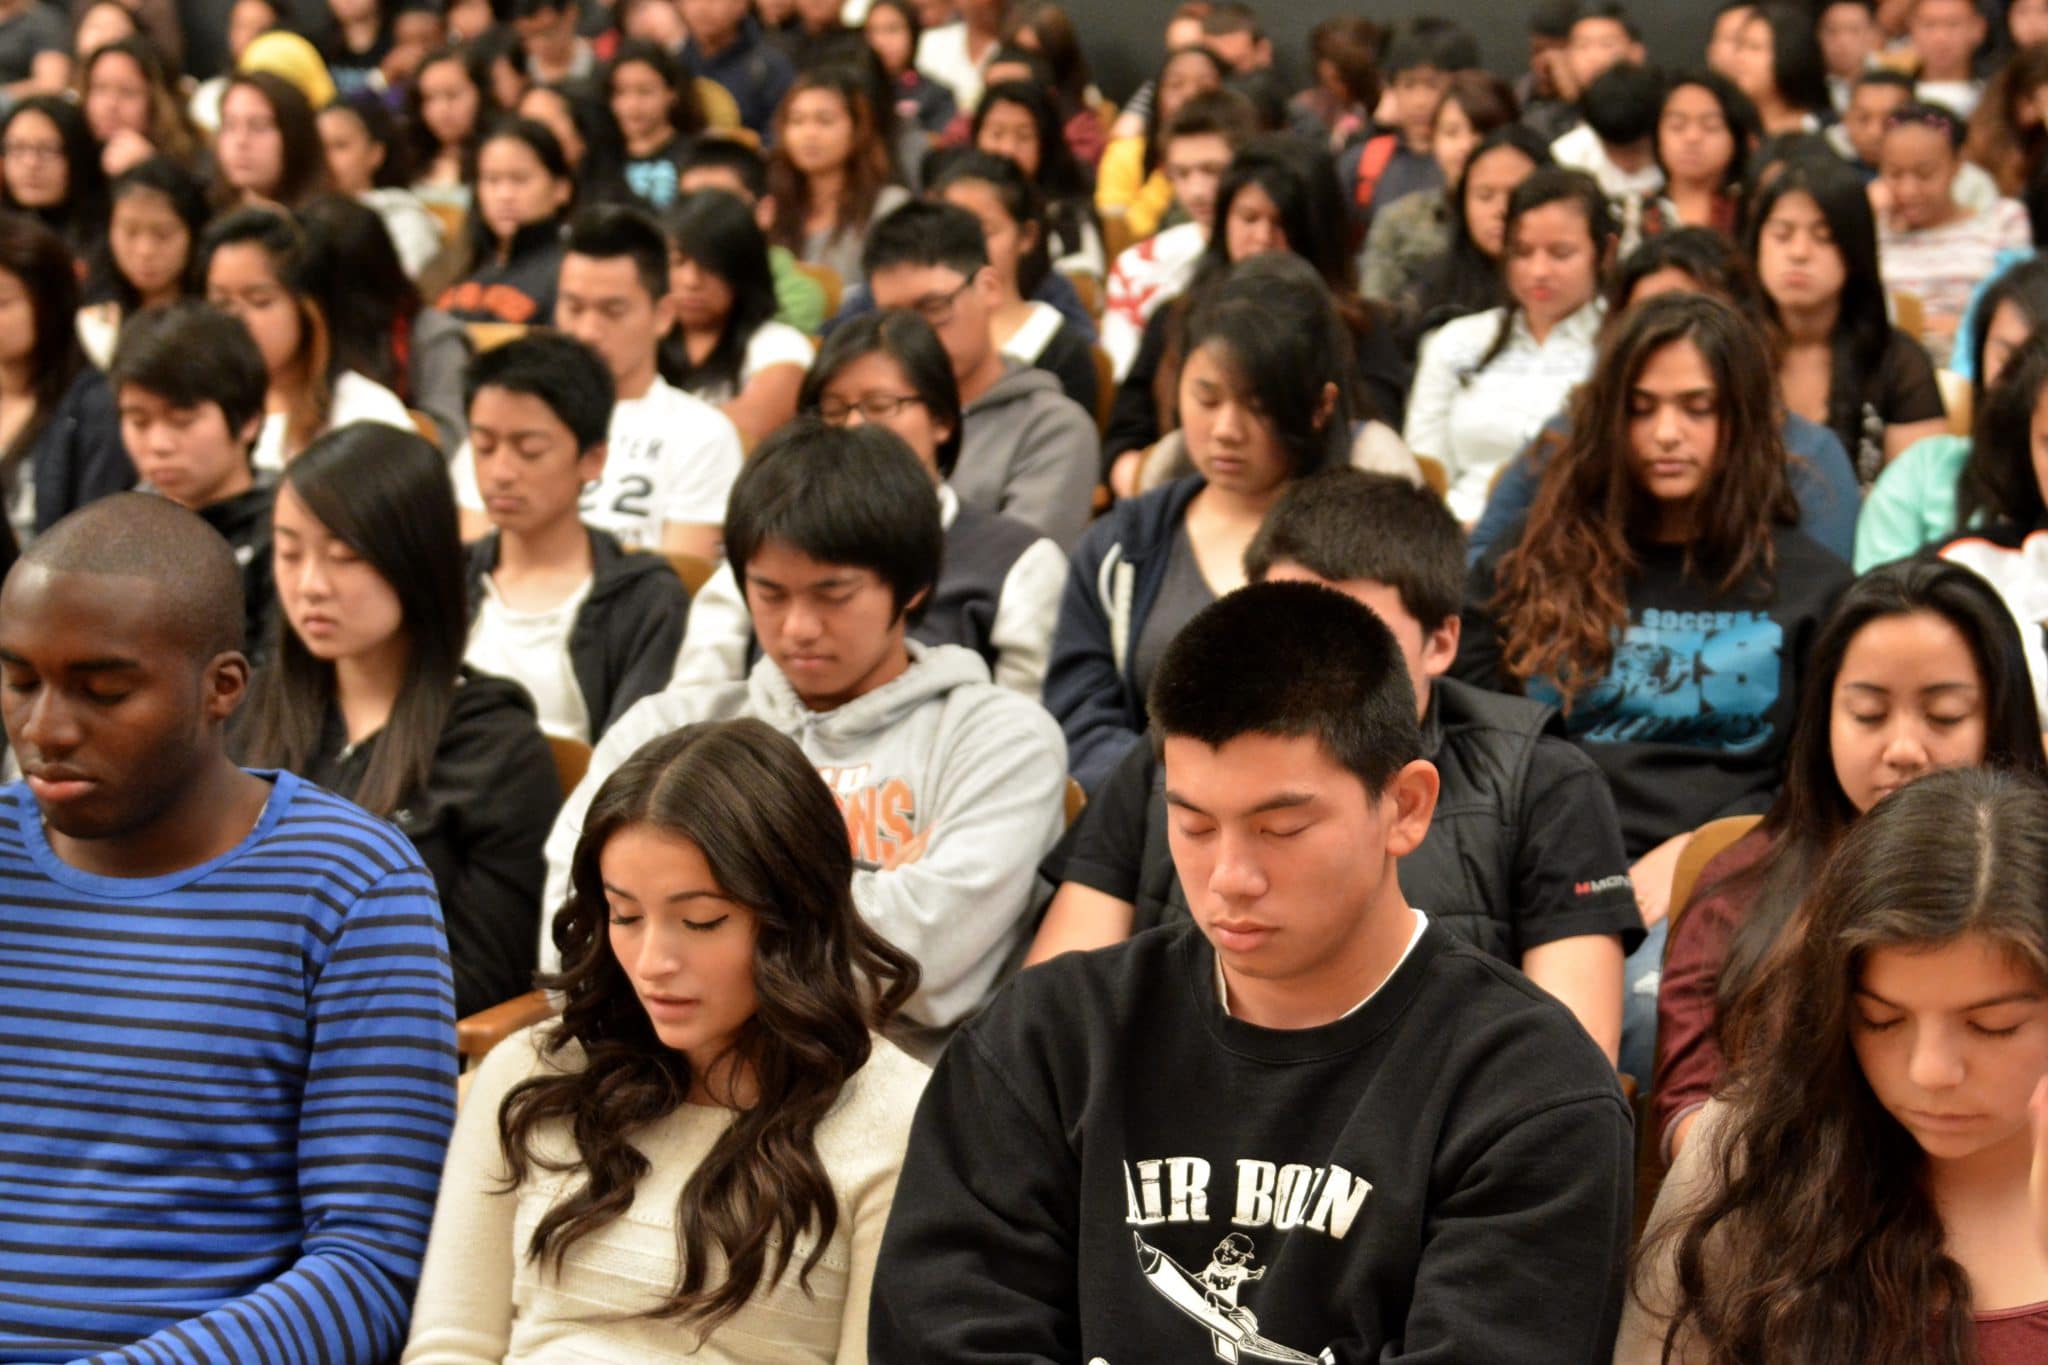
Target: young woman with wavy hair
(1660, 591)
(716, 1073)
(1861, 1192)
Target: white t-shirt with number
(670, 458)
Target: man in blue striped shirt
(226, 1017)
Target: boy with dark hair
(1309, 1125)
(727, 44)
(1602, 36)
(1197, 145)
(1873, 96)
(670, 458)
(1421, 58)
(1849, 41)
(1550, 30)
(189, 385)
(230, 1062)
(555, 51)
(721, 163)
(952, 786)
(1232, 31)
(561, 609)
(1523, 859)
(1617, 144)
(1027, 450)
(1945, 35)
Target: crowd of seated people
(753, 680)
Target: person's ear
(251, 429)
(1440, 646)
(590, 465)
(1027, 238)
(1325, 405)
(764, 213)
(917, 599)
(563, 190)
(376, 157)
(1408, 803)
(226, 683)
(987, 285)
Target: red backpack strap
(1373, 160)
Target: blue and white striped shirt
(225, 1093)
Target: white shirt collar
(1421, 923)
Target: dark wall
(1122, 37)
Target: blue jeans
(1639, 976)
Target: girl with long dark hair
(654, 102)
(892, 30)
(1660, 592)
(150, 255)
(132, 109)
(1913, 503)
(999, 581)
(1840, 361)
(512, 237)
(1706, 132)
(269, 145)
(1413, 230)
(50, 167)
(1466, 277)
(1012, 215)
(1022, 122)
(1485, 384)
(727, 348)
(446, 107)
(367, 694)
(1862, 1192)
(716, 1071)
(279, 277)
(1919, 668)
(367, 161)
(1778, 64)
(829, 171)
(1130, 182)
(60, 441)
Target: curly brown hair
(1562, 594)
(776, 843)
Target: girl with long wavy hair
(1920, 668)
(829, 172)
(699, 1156)
(1861, 1194)
(1660, 591)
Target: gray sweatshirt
(953, 789)
(1030, 452)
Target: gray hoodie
(953, 789)
(1030, 452)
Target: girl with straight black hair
(269, 148)
(1468, 277)
(50, 167)
(150, 255)
(1919, 668)
(654, 102)
(727, 348)
(1840, 361)
(830, 171)
(1913, 503)
(999, 580)
(1861, 1191)
(368, 696)
(1022, 121)
(1778, 64)
(1707, 129)
(60, 439)
(1012, 216)
(447, 106)
(754, 1134)
(1131, 180)
(368, 160)
(511, 249)
(893, 29)
(1267, 394)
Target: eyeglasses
(33, 151)
(874, 407)
(937, 309)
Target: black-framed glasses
(937, 309)
(873, 407)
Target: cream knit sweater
(482, 1298)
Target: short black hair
(1554, 18)
(841, 495)
(1220, 113)
(1349, 524)
(188, 353)
(140, 535)
(724, 153)
(1294, 660)
(1232, 16)
(926, 233)
(560, 371)
(526, 9)
(1615, 12)
(1623, 103)
(1430, 40)
(1876, 76)
(606, 232)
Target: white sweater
(482, 1298)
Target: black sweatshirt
(1106, 1166)
(489, 803)
(1691, 721)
